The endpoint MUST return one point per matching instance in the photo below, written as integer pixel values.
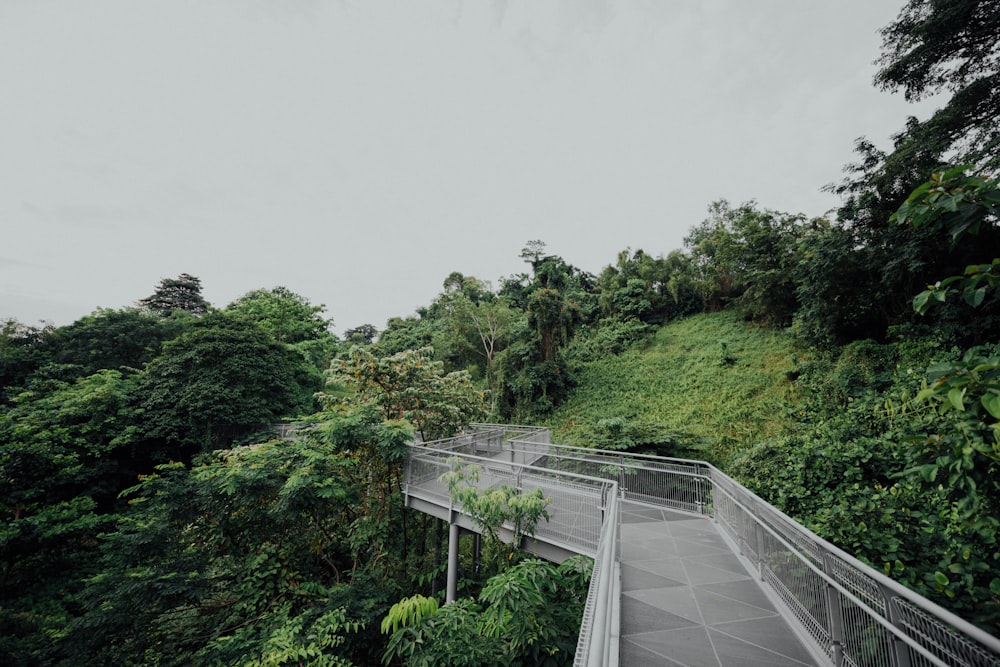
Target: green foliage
(747, 257)
(123, 340)
(239, 560)
(639, 287)
(223, 379)
(409, 385)
(407, 612)
(61, 465)
(20, 356)
(284, 315)
(677, 386)
(529, 614)
(364, 334)
(897, 467)
(934, 47)
(959, 205)
(182, 293)
(496, 508)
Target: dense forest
(152, 516)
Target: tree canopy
(173, 294)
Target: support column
(452, 591)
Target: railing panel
(852, 612)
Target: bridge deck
(688, 599)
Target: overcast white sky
(358, 151)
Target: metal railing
(577, 503)
(856, 615)
(597, 644)
(676, 483)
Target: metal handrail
(854, 613)
(950, 641)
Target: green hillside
(710, 376)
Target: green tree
(529, 614)
(496, 508)
(173, 294)
(21, 354)
(239, 560)
(411, 386)
(953, 46)
(124, 340)
(64, 458)
(223, 379)
(286, 316)
(933, 47)
(364, 334)
(747, 257)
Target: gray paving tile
(672, 568)
(743, 590)
(638, 618)
(772, 634)
(688, 601)
(687, 547)
(694, 527)
(733, 652)
(717, 609)
(636, 514)
(634, 579)
(647, 529)
(724, 561)
(699, 573)
(649, 549)
(691, 647)
(679, 601)
(634, 655)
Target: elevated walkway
(690, 568)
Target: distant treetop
(180, 293)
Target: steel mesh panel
(939, 639)
(816, 629)
(864, 641)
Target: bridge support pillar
(452, 591)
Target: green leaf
(955, 397)
(975, 298)
(940, 579)
(921, 302)
(992, 404)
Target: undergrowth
(710, 378)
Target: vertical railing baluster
(900, 651)
(835, 613)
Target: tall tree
(949, 48)
(180, 293)
(221, 380)
(285, 315)
(952, 46)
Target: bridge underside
(549, 550)
(687, 599)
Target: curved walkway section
(687, 599)
(692, 569)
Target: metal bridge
(691, 568)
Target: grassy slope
(681, 378)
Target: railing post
(835, 613)
(621, 476)
(901, 652)
(759, 539)
(451, 593)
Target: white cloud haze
(357, 152)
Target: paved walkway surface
(688, 600)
